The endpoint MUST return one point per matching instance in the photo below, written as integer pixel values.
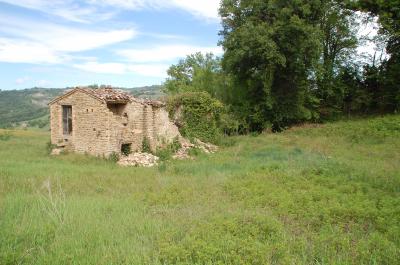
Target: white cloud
(19, 51)
(151, 70)
(67, 9)
(43, 83)
(34, 42)
(102, 68)
(93, 10)
(22, 80)
(164, 53)
(205, 8)
(201, 8)
(62, 38)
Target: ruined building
(105, 121)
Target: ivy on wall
(197, 115)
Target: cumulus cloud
(22, 80)
(34, 42)
(19, 51)
(102, 68)
(151, 70)
(67, 9)
(87, 11)
(164, 53)
(205, 8)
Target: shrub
(197, 115)
(146, 145)
(167, 152)
(113, 157)
(50, 147)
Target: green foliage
(166, 152)
(113, 157)
(271, 52)
(197, 115)
(339, 41)
(25, 105)
(40, 123)
(50, 147)
(146, 147)
(387, 80)
(196, 73)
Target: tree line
(292, 61)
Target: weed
(146, 148)
(323, 195)
(50, 147)
(113, 157)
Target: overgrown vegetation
(146, 148)
(197, 115)
(289, 62)
(166, 152)
(113, 157)
(316, 194)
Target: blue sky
(59, 43)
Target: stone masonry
(105, 119)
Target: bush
(167, 152)
(113, 157)
(197, 114)
(50, 147)
(146, 148)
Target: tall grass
(313, 195)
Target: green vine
(197, 115)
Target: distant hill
(28, 107)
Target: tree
(388, 13)
(338, 26)
(272, 48)
(197, 72)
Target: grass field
(327, 194)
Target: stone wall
(100, 129)
(90, 117)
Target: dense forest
(289, 62)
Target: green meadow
(315, 194)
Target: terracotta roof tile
(109, 94)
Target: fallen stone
(183, 152)
(206, 147)
(138, 160)
(56, 151)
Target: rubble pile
(183, 152)
(138, 160)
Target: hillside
(28, 107)
(316, 194)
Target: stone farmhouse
(105, 120)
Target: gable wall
(89, 122)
